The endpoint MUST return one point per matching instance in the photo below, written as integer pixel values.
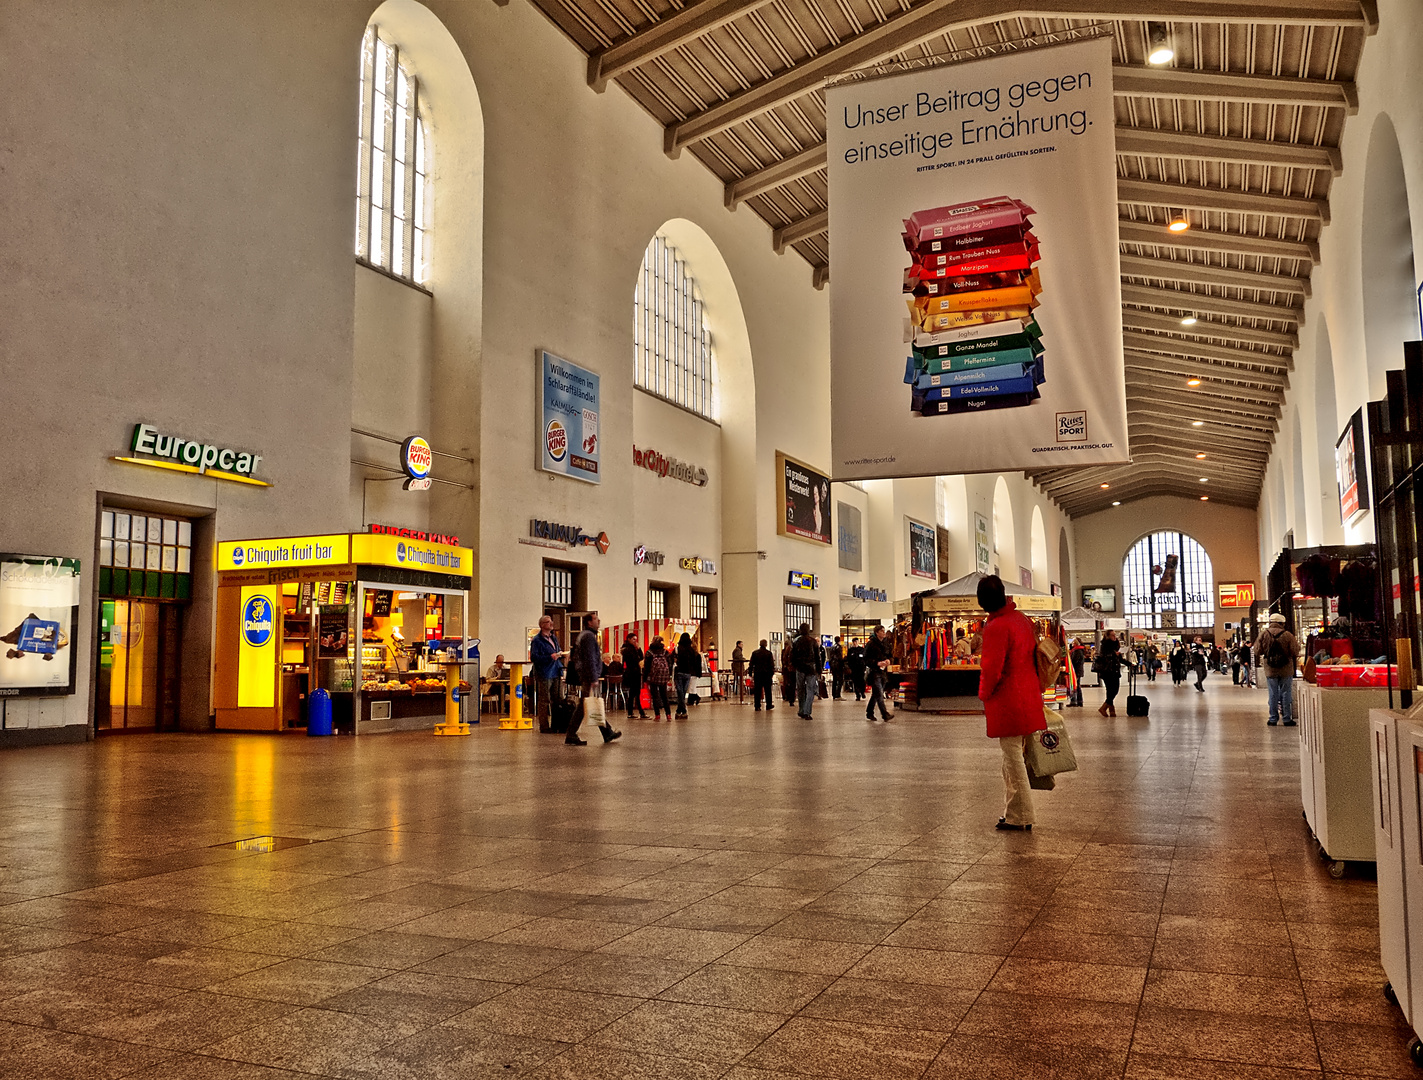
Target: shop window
(672, 346)
(393, 172)
(700, 606)
(558, 586)
(656, 602)
(797, 613)
(145, 555)
(1169, 583)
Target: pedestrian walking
(1200, 658)
(1247, 664)
(807, 659)
(633, 658)
(1179, 658)
(788, 684)
(1153, 661)
(657, 673)
(1108, 667)
(763, 676)
(688, 667)
(1077, 657)
(1011, 694)
(837, 669)
(855, 665)
(588, 658)
(738, 671)
(547, 661)
(877, 654)
(1278, 649)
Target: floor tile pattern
(740, 896)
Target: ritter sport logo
(257, 621)
(1072, 426)
(556, 440)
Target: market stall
(932, 676)
(368, 618)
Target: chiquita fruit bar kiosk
(365, 617)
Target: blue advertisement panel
(568, 420)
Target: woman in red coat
(1011, 695)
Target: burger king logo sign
(556, 440)
(417, 459)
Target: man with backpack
(1278, 649)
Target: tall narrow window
(672, 347)
(393, 173)
(1169, 583)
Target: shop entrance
(139, 663)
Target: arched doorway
(1390, 280)
(1327, 428)
(1169, 584)
(1041, 574)
(1005, 545)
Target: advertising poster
(333, 630)
(982, 552)
(975, 304)
(1238, 594)
(923, 550)
(1348, 470)
(804, 495)
(1099, 597)
(39, 610)
(848, 519)
(568, 419)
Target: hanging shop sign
(848, 534)
(975, 310)
(804, 496)
(152, 448)
(417, 459)
(982, 552)
(1099, 598)
(697, 565)
(1349, 470)
(802, 579)
(870, 593)
(923, 550)
(344, 549)
(414, 534)
(1239, 594)
(642, 557)
(39, 611)
(568, 535)
(568, 419)
(656, 463)
(333, 550)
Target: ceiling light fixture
(1205, 498)
(1198, 423)
(1116, 504)
(1200, 457)
(1193, 382)
(1189, 320)
(1180, 223)
(1205, 479)
(1158, 44)
(1106, 486)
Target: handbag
(593, 710)
(1049, 752)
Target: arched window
(393, 174)
(1169, 583)
(672, 347)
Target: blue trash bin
(318, 713)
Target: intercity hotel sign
(656, 463)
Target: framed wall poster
(39, 616)
(849, 536)
(1349, 468)
(923, 550)
(982, 550)
(803, 495)
(1025, 577)
(568, 419)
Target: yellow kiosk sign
(331, 550)
(377, 550)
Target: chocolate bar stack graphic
(971, 287)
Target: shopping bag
(1049, 752)
(1040, 783)
(593, 711)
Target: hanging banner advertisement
(975, 304)
(982, 553)
(39, 610)
(568, 419)
(923, 554)
(849, 518)
(804, 495)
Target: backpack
(661, 673)
(1047, 658)
(1276, 655)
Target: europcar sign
(151, 447)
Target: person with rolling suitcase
(1137, 704)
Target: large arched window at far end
(672, 346)
(1169, 583)
(393, 173)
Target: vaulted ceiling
(1240, 131)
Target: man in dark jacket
(1277, 650)
(855, 662)
(588, 657)
(632, 676)
(877, 654)
(806, 658)
(837, 669)
(763, 675)
(738, 671)
(548, 670)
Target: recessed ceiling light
(1189, 320)
(1158, 38)
(1193, 382)
(1198, 423)
(1205, 479)
(1180, 223)
(1106, 486)
(1200, 457)
(1205, 498)
(1116, 504)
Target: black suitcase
(560, 712)
(1137, 704)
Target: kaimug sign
(568, 419)
(975, 309)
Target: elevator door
(139, 661)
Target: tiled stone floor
(736, 896)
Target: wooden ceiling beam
(666, 35)
(1148, 427)
(1215, 419)
(1157, 343)
(1130, 80)
(1197, 274)
(1221, 395)
(1143, 232)
(1153, 142)
(1169, 324)
(777, 174)
(796, 231)
(1200, 304)
(1218, 200)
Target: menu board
(334, 630)
(39, 612)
